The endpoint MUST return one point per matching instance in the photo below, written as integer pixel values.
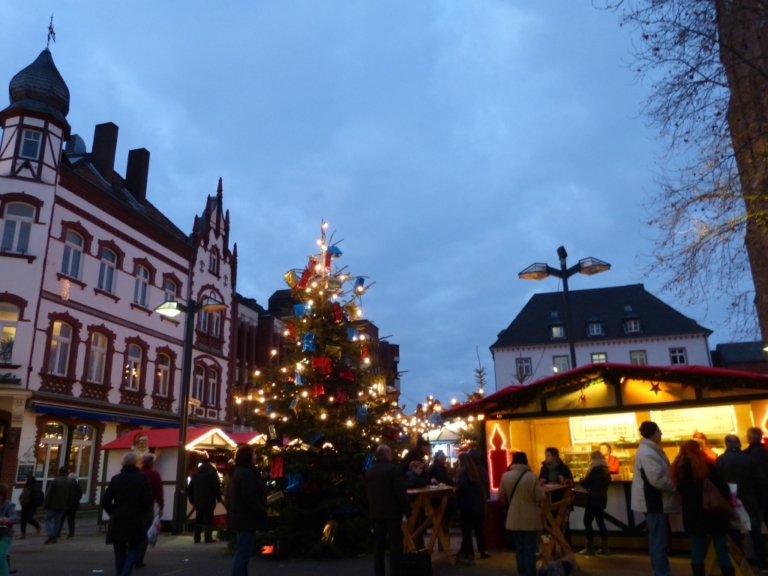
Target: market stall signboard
(684, 422)
(605, 428)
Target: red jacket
(156, 483)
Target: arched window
(163, 374)
(81, 457)
(213, 391)
(9, 318)
(133, 367)
(199, 384)
(58, 353)
(107, 271)
(73, 249)
(169, 290)
(30, 144)
(142, 286)
(48, 453)
(97, 358)
(17, 228)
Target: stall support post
(180, 495)
(568, 323)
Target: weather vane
(51, 33)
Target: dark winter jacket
(695, 520)
(204, 487)
(387, 496)
(32, 495)
(596, 482)
(742, 469)
(127, 500)
(413, 480)
(246, 500)
(59, 493)
(759, 452)
(439, 472)
(77, 495)
(413, 455)
(551, 474)
(470, 495)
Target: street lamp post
(172, 309)
(587, 266)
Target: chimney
(136, 173)
(104, 147)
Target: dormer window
(30, 144)
(595, 329)
(632, 325)
(557, 332)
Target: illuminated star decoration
(655, 388)
(51, 33)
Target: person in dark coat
(485, 482)
(415, 454)
(204, 491)
(759, 452)
(57, 499)
(387, 503)
(31, 497)
(596, 481)
(74, 505)
(126, 500)
(415, 478)
(688, 473)
(742, 469)
(246, 499)
(470, 500)
(438, 471)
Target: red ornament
(316, 390)
(341, 395)
(291, 330)
(276, 468)
(328, 261)
(337, 316)
(323, 364)
(347, 374)
(364, 351)
(307, 274)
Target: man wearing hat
(654, 494)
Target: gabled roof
(169, 438)
(740, 353)
(610, 306)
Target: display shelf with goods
(324, 407)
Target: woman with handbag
(596, 481)
(706, 508)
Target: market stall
(164, 443)
(600, 407)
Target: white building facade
(85, 259)
(620, 325)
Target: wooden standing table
(554, 515)
(421, 499)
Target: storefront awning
(92, 415)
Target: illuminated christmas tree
(324, 407)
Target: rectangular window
(677, 356)
(199, 385)
(560, 364)
(638, 357)
(595, 329)
(204, 321)
(97, 359)
(30, 144)
(599, 357)
(632, 325)
(163, 374)
(216, 324)
(524, 367)
(557, 332)
(7, 338)
(141, 286)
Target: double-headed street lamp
(587, 266)
(171, 309)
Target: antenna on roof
(51, 33)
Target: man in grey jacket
(654, 494)
(57, 500)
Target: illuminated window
(560, 364)
(107, 271)
(638, 357)
(17, 228)
(133, 367)
(73, 250)
(677, 356)
(58, 353)
(30, 144)
(599, 357)
(163, 374)
(557, 332)
(9, 318)
(97, 359)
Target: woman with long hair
(470, 500)
(596, 481)
(688, 473)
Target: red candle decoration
(498, 457)
(337, 316)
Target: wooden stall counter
(554, 517)
(414, 528)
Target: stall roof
(702, 376)
(169, 438)
(246, 437)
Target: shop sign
(686, 421)
(605, 428)
(25, 468)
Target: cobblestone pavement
(87, 554)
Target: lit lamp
(171, 309)
(587, 266)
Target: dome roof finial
(41, 88)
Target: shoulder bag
(512, 494)
(713, 501)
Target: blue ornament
(309, 342)
(299, 378)
(295, 483)
(353, 333)
(315, 438)
(361, 413)
(334, 251)
(269, 407)
(368, 461)
(299, 310)
(359, 282)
